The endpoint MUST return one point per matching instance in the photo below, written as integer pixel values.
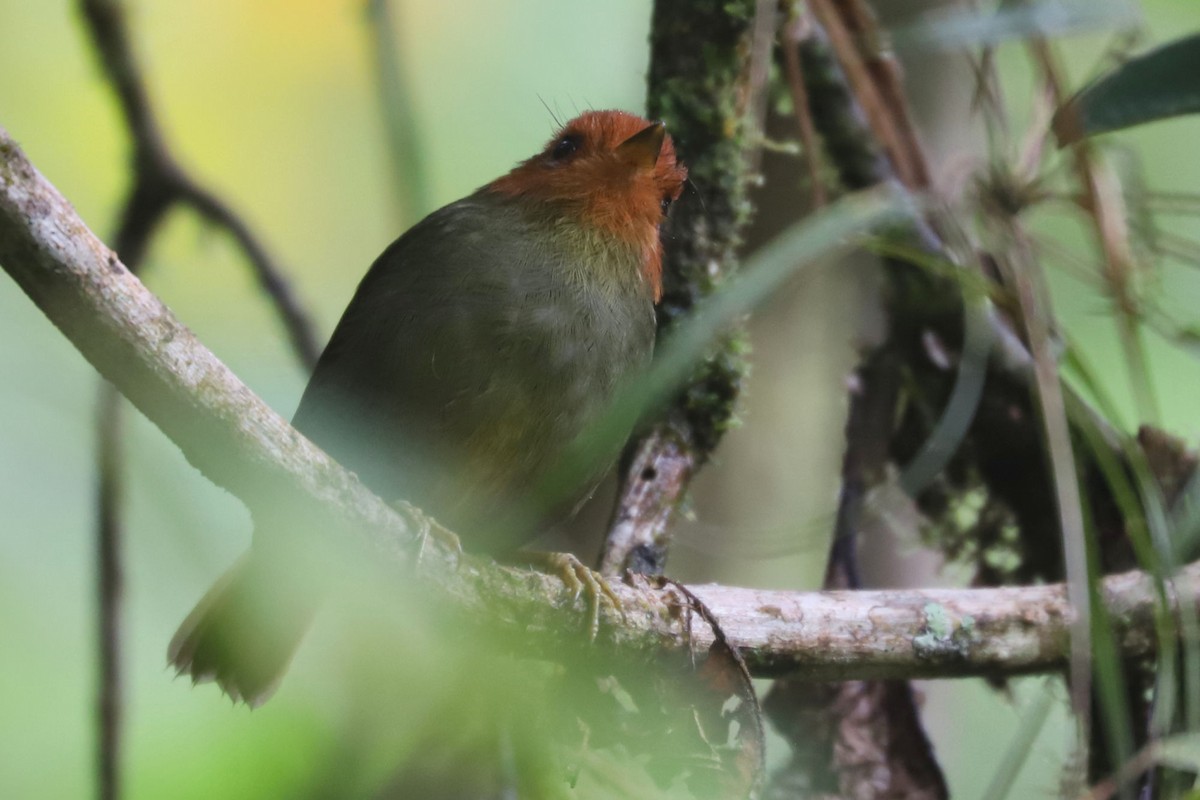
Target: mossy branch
(708, 68)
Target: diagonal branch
(139, 346)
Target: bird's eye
(666, 204)
(565, 147)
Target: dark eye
(565, 147)
(666, 204)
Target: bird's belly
(524, 418)
(544, 388)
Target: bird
(479, 345)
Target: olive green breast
(476, 348)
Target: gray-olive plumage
(476, 349)
(456, 384)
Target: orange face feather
(616, 171)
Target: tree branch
(159, 182)
(109, 588)
(712, 99)
(242, 445)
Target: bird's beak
(641, 150)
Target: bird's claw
(579, 579)
(427, 526)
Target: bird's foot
(428, 527)
(580, 579)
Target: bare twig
(144, 209)
(1103, 202)
(656, 475)
(792, 32)
(108, 595)
(244, 446)
(874, 82)
(296, 322)
(137, 344)
(1036, 313)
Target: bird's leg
(578, 578)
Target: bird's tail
(244, 631)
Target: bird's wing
(445, 369)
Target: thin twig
(1186, 203)
(144, 209)
(296, 321)
(159, 182)
(875, 85)
(1036, 315)
(1179, 247)
(792, 33)
(108, 594)
(1103, 202)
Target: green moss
(696, 90)
(936, 622)
(940, 640)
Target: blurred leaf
(1078, 367)
(1180, 752)
(820, 236)
(410, 181)
(1109, 670)
(1159, 84)
(1033, 719)
(1189, 336)
(1140, 500)
(959, 412)
(1049, 19)
(1185, 521)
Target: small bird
(478, 346)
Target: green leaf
(1181, 751)
(1159, 84)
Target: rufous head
(613, 170)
